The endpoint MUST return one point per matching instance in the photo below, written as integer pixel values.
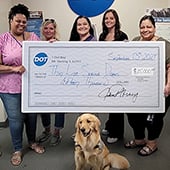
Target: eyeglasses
(51, 20)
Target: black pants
(115, 125)
(139, 122)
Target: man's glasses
(51, 20)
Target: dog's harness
(98, 146)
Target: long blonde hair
(46, 22)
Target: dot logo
(89, 8)
(40, 59)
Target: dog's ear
(77, 123)
(97, 123)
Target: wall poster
(34, 22)
(162, 19)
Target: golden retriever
(90, 150)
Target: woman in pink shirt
(11, 70)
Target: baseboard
(4, 124)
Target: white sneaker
(105, 132)
(112, 140)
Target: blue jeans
(12, 104)
(59, 120)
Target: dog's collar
(98, 146)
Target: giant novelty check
(93, 77)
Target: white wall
(130, 11)
(5, 6)
(3, 115)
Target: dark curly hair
(18, 9)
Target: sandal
(16, 158)
(37, 148)
(146, 151)
(132, 144)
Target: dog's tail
(118, 161)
